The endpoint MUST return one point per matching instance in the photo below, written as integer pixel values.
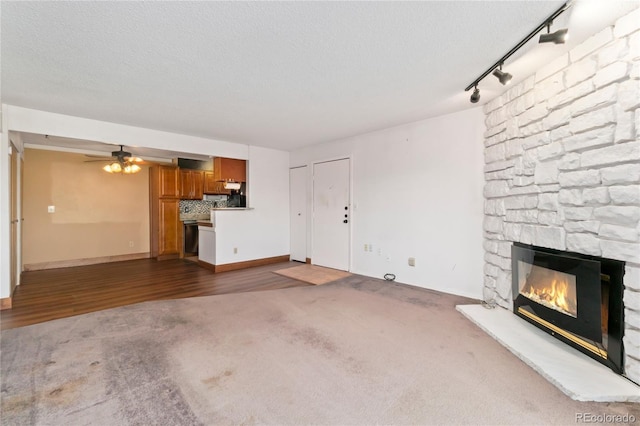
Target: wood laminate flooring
(60, 293)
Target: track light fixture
(557, 37)
(503, 77)
(475, 96)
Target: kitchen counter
(231, 208)
(194, 216)
(206, 223)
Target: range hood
(232, 185)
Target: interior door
(298, 213)
(331, 214)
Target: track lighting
(475, 96)
(503, 77)
(557, 37)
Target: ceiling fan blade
(106, 155)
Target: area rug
(355, 351)
(313, 274)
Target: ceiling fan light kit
(557, 37)
(125, 163)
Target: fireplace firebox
(576, 298)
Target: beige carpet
(313, 274)
(356, 351)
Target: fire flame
(551, 289)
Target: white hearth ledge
(578, 376)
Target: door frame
(351, 204)
(16, 173)
(306, 212)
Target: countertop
(205, 223)
(206, 216)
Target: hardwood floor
(60, 293)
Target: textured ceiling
(274, 74)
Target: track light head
(475, 96)
(557, 37)
(503, 77)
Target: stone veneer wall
(562, 156)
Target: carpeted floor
(356, 351)
(313, 274)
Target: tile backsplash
(200, 206)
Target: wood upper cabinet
(167, 180)
(198, 184)
(212, 186)
(191, 184)
(230, 169)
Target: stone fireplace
(562, 170)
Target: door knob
(345, 221)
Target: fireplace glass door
(553, 289)
(576, 298)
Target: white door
(298, 213)
(331, 214)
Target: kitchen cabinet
(169, 231)
(229, 169)
(191, 184)
(212, 186)
(166, 179)
(164, 208)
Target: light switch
(51, 209)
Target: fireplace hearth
(574, 297)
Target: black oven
(190, 242)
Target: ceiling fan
(122, 162)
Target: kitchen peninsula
(222, 242)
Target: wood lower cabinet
(169, 229)
(164, 210)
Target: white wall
(417, 192)
(265, 234)
(264, 231)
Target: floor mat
(313, 274)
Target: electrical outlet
(130, 243)
(370, 247)
(379, 252)
(366, 247)
(412, 261)
(235, 250)
(51, 209)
